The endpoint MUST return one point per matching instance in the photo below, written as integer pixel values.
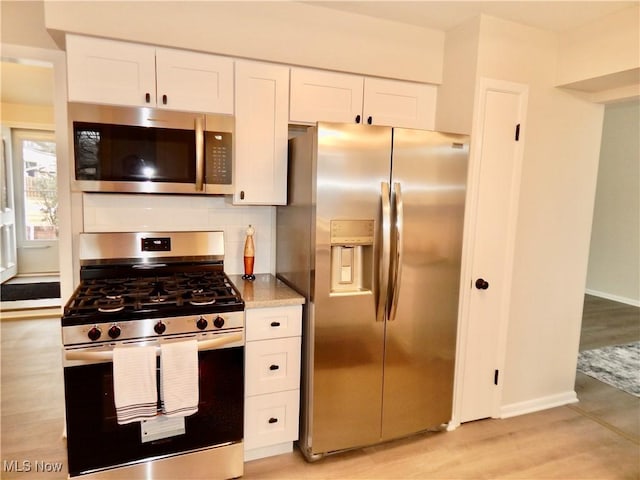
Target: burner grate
(173, 292)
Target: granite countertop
(265, 291)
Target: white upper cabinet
(261, 135)
(194, 81)
(111, 72)
(318, 95)
(399, 104)
(121, 73)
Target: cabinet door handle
(369, 120)
(357, 118)
(274, 367)
(147, 97)
(275, 324)
(241, 194)
(164, 99)
(273, 420)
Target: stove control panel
(151, 328)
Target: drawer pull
(273, 420)
(275, 324)
(274, 367)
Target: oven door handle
(148, 266)
(83, 354)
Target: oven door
(96, 441)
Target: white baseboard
(270, 451)
(615, 298)
(538, 404)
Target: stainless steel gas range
(152, 289)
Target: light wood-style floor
(597, 438)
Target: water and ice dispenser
(351, 256)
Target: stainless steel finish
(128, 245)
(367, 381)
(143, 328)
(398, 242)
(149, 117)
(91, 354)
(383, 275)
(224, 461)
(135, 117)
(420, 343)
(199, 126)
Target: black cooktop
(165, 294)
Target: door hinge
(517, 132)
(495, 377)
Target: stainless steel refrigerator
(372, 236)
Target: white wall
(456, 95)
(614, 256)
(600, 48)
(157, 213)
(554, 217)
(287, 32)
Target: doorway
(30, 255)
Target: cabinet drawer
(272, 365)
(271, 419)
(277, 322)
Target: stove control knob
(159, 328)
(94, 333)
(114, 331)
(202, 323)
(218, 322)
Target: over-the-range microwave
(146, 150)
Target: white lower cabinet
(272, 380)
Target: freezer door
(353, 165)
(429, 171)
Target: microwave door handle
(199, 127)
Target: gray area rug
(617, 365)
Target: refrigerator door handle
(397, 261)
(385, 256)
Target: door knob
(482, 284)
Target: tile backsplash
(135, 213)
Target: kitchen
(539, 254)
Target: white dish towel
(179, 392)
(134, 383)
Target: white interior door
(8, 249)
(497, 150)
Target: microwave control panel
(218, 158)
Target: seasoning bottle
(249, 255)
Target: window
(36, 159)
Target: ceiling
(555, 16)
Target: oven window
(132, 154)
(95, 440)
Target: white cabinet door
(271, 419)
(273, 322)
(194, 82)
(110, 72)
(262, 106)
(324, 96)
(318, 95)
(399, 104)
(272, 366)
